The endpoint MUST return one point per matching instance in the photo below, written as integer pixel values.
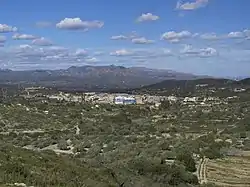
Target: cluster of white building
(125, 99)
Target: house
(119, 100)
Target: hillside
(185, 87)
(50, 142)
(170, 84)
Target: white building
(190, 99)
(172, 98)
(129, 100)
(119, 100)
(123, 100)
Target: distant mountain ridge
(93, 78)
(209, 82)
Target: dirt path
(77, 130)
(51, 147)
(198, 169)
(202, 171)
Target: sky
(204, 37)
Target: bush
(212, 153)
(188, 161)
(164, 105)
(162, 173)
(243, 135)
(120, 118)
(165, 145)
(63, 145)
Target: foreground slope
(48, 169)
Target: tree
(188, 161)
(212, 152)
(63, 145)
(165, 104)
(243, 135)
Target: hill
(185, 87)
(170, 84)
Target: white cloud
(209, 36)
(57, 48)
(2, 39)
(92, 60)
(119, 37)
(246, 33)
(176, 40)
(25, 52)
(134, 38)
(167, 52)
(25, 46)
(203, 52)
(133, 34)
(195, 34)
(191, 5)
(78, 24)
(141, 54)
(23, 37)
(236, 35)
(142, 40)
(121, 52)
(98, 53)
(47, 57)
(27, 55)
(230, 35)
(6, 28)
(147, 17)
(52, 57)
(130, 36)
(175, 37)
(42, 42)
(208, 52)
(81, 52)
(188, 49)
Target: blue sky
(198, 36)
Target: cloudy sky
(199, 36)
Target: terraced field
(229, 172)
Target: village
(123, 98)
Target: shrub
(188, 161)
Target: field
(229, 171)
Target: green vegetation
(45, 142)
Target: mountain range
(92, 78)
